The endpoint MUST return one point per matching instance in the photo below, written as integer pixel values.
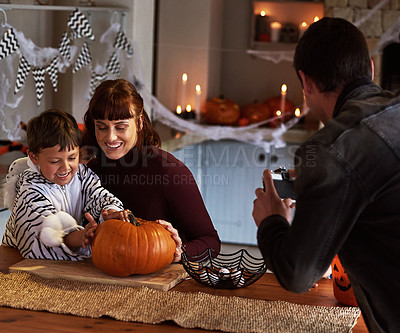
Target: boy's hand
(89, 231)
(117, 215)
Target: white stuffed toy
(55, 227)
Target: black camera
(283, 184)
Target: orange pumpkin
(138, 247)
(256, 112)
(220, 111)
(341, 284)
(274, 103)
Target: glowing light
(184, 77)
(178, 109)
(198, 89)
(316, 18)
(278, 113)
(188, 108)
(283, 88)
(297, 112)
(263, 13)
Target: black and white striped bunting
(113, 64)
(80, 25)
(52, 70)
(23, 71)
(38, 76)
(122, 42)
(8, 44)
(84, 58)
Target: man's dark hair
(333, 53)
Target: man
(347, 179)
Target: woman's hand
(116, 215)
(88, 232)
(175, 237)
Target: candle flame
(304, 24)
(178, 109)
(198, 88)
(263, 13)
(283, 88)
(184, 77)
(316, 18)
(297, 112)
(278, 112)
(188, 108)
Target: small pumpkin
(220, 111)
(138, 247)
(274, 103)
(342, 288)
(256, 112)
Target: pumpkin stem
(133, 220)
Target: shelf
(63, 8)
(188, 139)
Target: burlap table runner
(189, 310)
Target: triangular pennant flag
(8, 44)
(95, 80)
(80, 25)
(84, 58)
(52, 70)
(122, 42)
(38, 75)
(65, 46)
(113, 64)
(23, 71)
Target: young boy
(50, 199)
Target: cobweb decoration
(80, 25)
(53, 72)
(392, 35)
(23, 71)
(8, 44)
(84, 58)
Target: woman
(151, 182)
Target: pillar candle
(183, 89)
(303, 26)
(283, 97)
(275, 31)
(198, 101)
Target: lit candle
(278, 113)
(189, 113)
(183, 90)
(275, 31)
(297, 112)
(262, 27)
(316, 18)
(178, 110)
(198, 100)
(283, 97)
(302, 28)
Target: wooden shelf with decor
(277, 25)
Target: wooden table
(267, 288)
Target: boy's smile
(57, 166)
